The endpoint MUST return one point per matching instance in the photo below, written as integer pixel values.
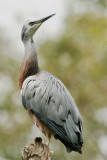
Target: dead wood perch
(36, 151)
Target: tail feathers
(74, 133)
(70, 146)
(69, 149)
(72, 130)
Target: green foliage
(13, 130)
(101, 3)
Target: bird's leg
(48, 141)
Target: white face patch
(29, 30)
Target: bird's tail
(70, 146)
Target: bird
(46, 98)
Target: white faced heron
(48, 101)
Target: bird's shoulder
(43, 77)
(46, 84)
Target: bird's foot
(52, 153)
(47, 143)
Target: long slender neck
(29, 65)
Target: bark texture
(36, 151)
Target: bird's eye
(30, 23)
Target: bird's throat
(29, 65)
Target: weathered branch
(36, 151)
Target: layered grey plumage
(46, 97)
(50, 100)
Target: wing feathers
(60, 133)
(56, 128)
(51, 102)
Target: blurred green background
(77, 56)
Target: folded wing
(47, 97)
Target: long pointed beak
(42, 20)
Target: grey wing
(49, 99)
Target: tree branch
(36, 151)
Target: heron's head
(30, 27)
